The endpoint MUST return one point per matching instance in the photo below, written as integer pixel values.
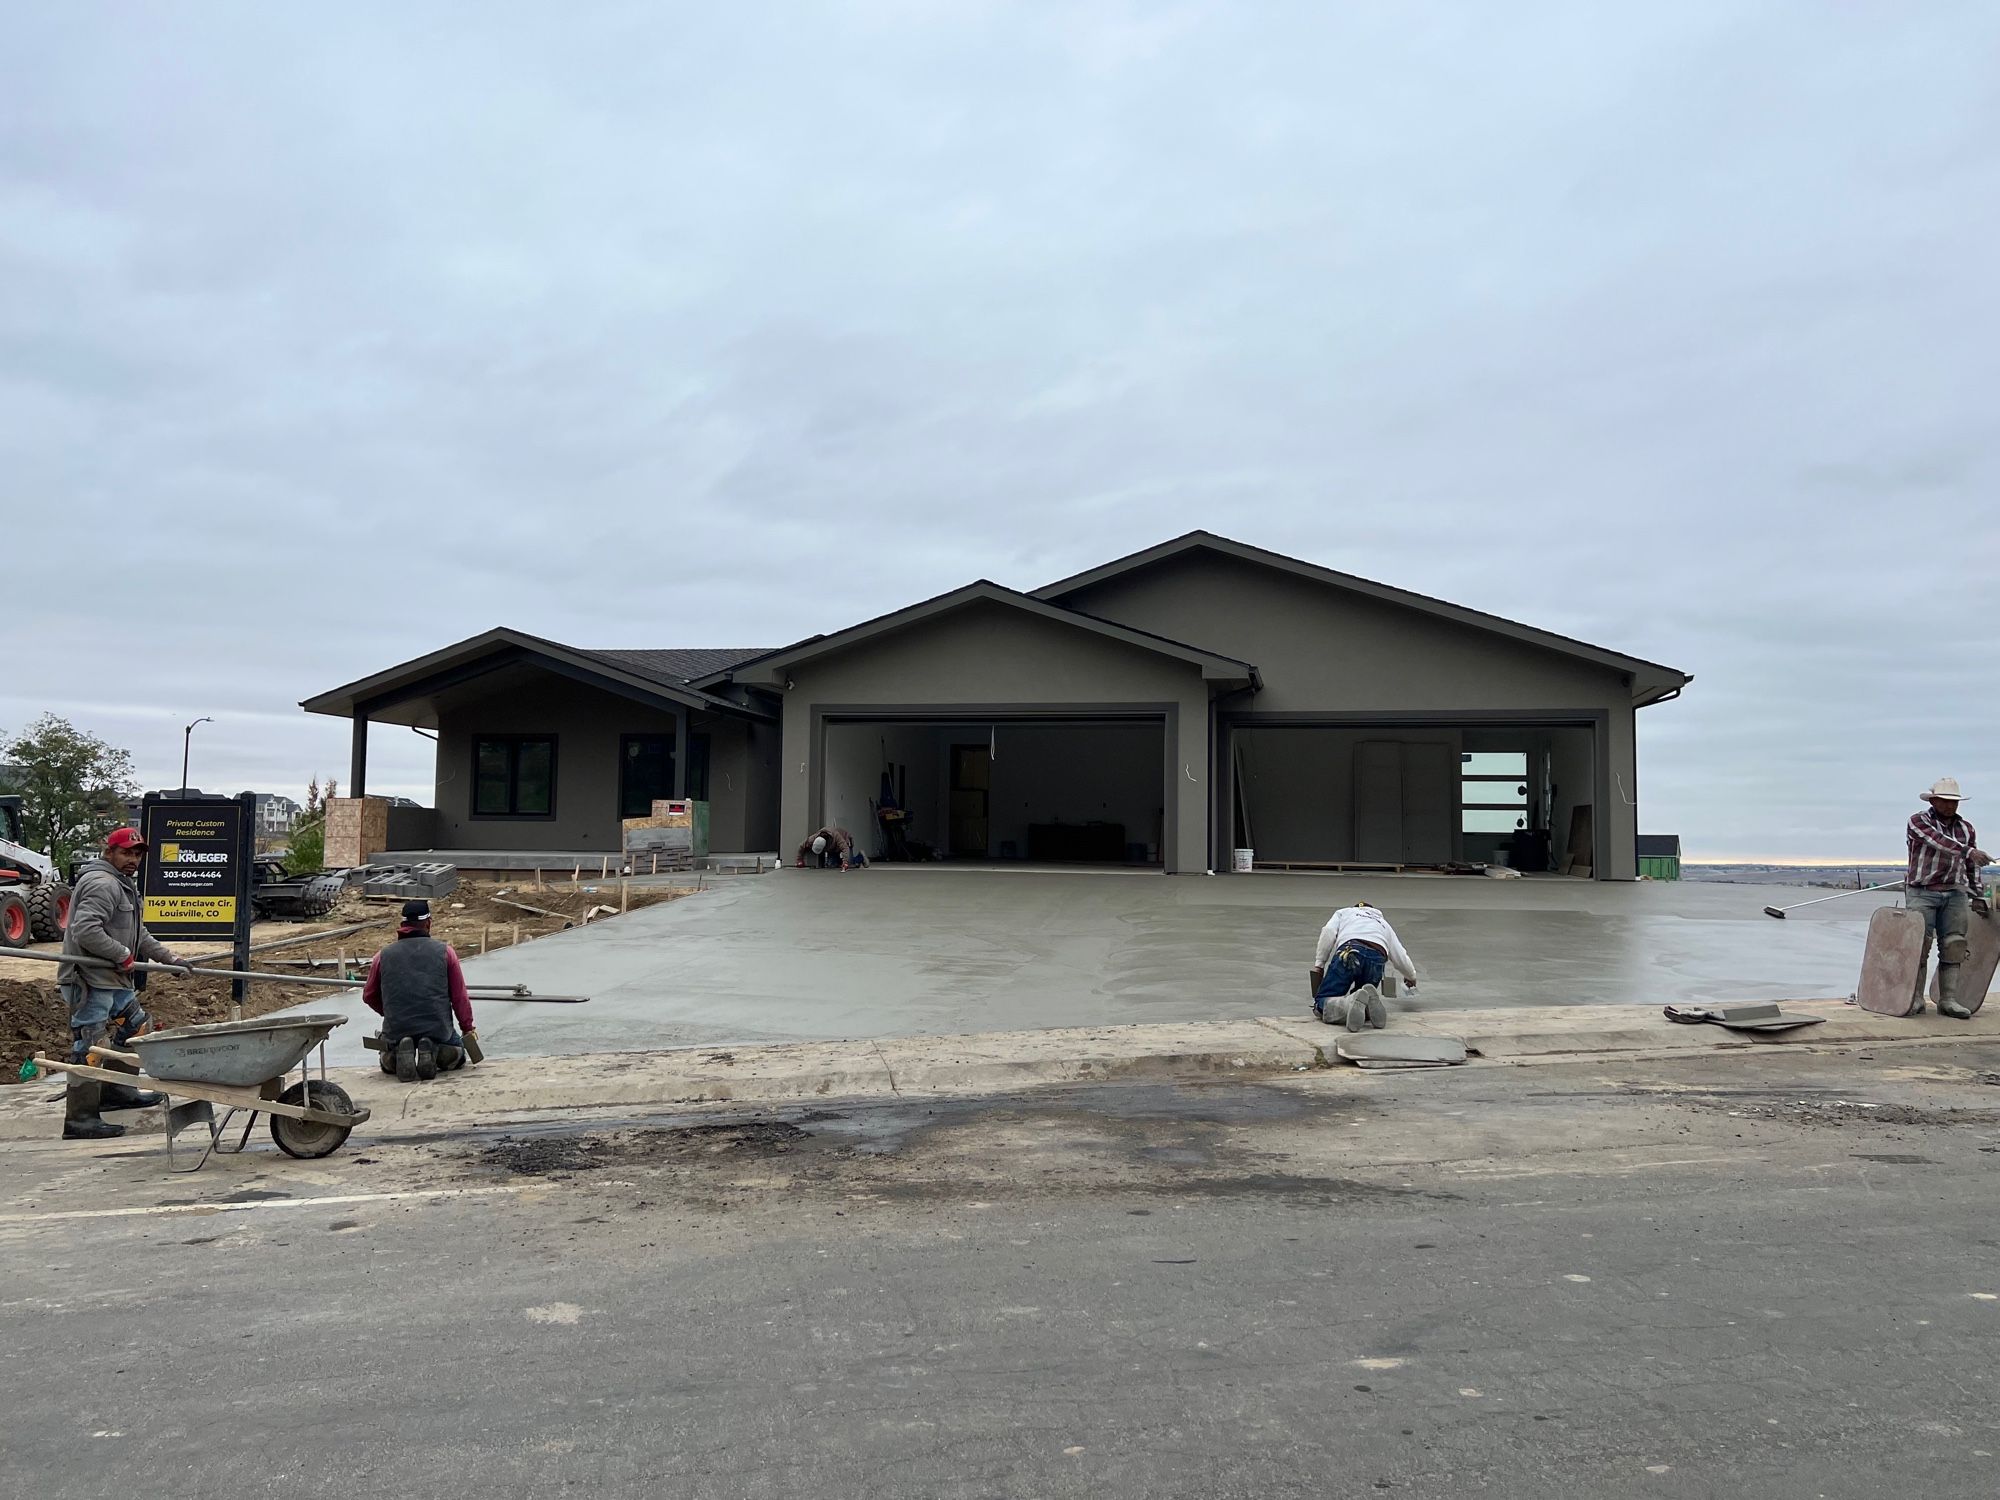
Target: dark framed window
(1494, 791)
(514, 776)
(646, 771)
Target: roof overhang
(770, 671)
(1650, 682)
(403, 694)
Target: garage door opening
(1414, 797)
(1040, 791)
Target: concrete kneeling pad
(1399, 1049)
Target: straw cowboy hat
(1944, 789)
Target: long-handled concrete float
(1779, 911)
(484, 991)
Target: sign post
(195, 883)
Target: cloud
(329, 337)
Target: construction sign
(196, 879)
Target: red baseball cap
(124, 838)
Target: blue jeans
(93, 1008)
(1350, 968)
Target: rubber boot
(81, 1121)
(427, 1059)
(406, 1059)
(1948, 1004)
(123, 1095)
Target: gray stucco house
(1164, 709)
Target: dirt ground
(473, 919)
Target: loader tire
(16, 931)
(48, 911)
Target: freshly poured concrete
(906, 951)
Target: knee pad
(82, 1039)
(449, 1058)
(1954, 950)
(131, 1024)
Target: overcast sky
(332, 334)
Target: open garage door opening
(1032, 790)
(1415, 797)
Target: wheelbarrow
(244, 1066)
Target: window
(513, 776)
(1493, 791)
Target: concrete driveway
(899, 951)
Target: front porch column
(357, 763)
(680, 753)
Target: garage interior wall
(1298, 785)
(1064, 772)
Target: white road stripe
(184, 1210)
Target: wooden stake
(656, 863)
(515, 940)
(485, 932)
(624, 899)
(604, 868)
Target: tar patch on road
(561, 1155)
(1173, 1141)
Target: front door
(971, 791)
(645, 773)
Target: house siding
(587, 724)
(987, 654)
(1322, 649)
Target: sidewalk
(1004, 1062)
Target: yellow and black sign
(196, 877)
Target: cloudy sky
(331, 334)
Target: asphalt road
(1772, 1277)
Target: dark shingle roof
(679, 666)
(1659, 846)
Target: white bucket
(1243, 861)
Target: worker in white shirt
(1355, 947)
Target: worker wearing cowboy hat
(1943, 884)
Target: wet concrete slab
(917, 951)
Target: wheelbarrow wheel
(308, 1138)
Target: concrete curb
(1003, 1062)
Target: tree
(307, 855)
(73, 787)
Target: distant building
(1659, 856)
(277, 814)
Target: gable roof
(1658, 846)
(1651, 681)
(770, 667)
(656, 676)
(679, 665)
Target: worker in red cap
(417, 987)
(105, 937)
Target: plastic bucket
(1243, 861)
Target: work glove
(125, 964)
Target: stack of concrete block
(356, 828)
(675, 826)
(425, 881)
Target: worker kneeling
(417, 987)
(1356, 947)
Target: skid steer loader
(34, 903)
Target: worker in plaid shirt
(1943, 884)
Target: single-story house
(1167, 709)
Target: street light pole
(187, 742)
